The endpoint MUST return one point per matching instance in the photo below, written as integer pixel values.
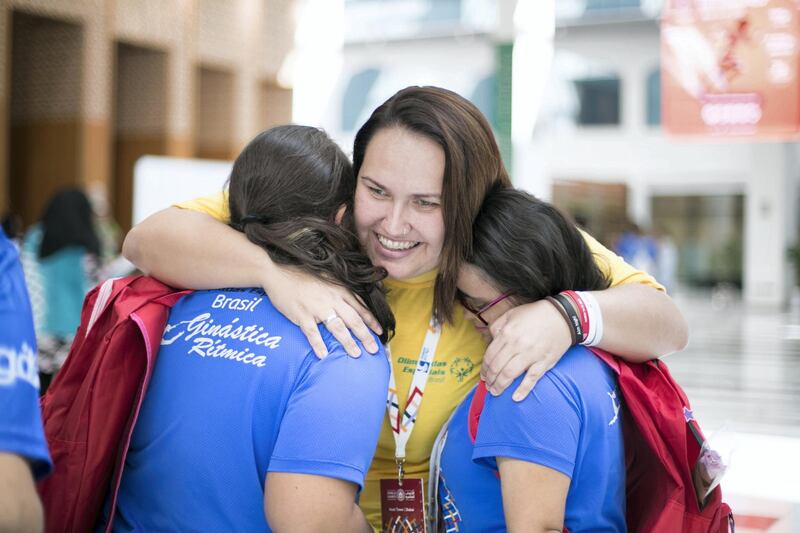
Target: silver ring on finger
(332, 317)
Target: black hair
(528, 248)
(13, 226)
(284, 193)
(68, 221)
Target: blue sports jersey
(21, 430)
(237, 392)
(570, 423)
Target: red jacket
(91, 407)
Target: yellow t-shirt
(215, 205)
(456, 364)
(454, 372)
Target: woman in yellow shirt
(423, 163)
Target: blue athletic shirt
(570, 423)
(21, 431)
(237, 392)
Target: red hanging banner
(730, 68)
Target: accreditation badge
(403, 505)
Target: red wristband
(582, 312)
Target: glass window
(355, 97)
(607, 5)
(708, 233)
(654, 98)
(443, 10)
(484, 96)
(598, 101)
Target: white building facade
(585, 128)
(743, 192)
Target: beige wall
(140, 118)
(275, 105)
(214, 114)
(70, 130)
(44, 111)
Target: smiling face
(398, 213)
(475, 287)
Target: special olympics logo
(461, 368)
(401, 495)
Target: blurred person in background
(667, 259)
(13, 227)
(638, 248)
(61, 254)
(109, 233)
(23, 450)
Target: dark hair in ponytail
(526, 247)
(284, 193)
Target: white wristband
(595, 334)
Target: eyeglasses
(479, 312)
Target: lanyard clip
(401, 472)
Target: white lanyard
(434, 472)
(403, 424)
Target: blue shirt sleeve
(334, 416)
(544, 428)
(21, 431)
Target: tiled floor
(741, 372)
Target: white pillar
(181, 82)
(639, 202)
(767, 218)
(534, 28)
(318, 62)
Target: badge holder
(403, 499)
(403, 503)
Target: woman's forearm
(193, 250)
(640, 323)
